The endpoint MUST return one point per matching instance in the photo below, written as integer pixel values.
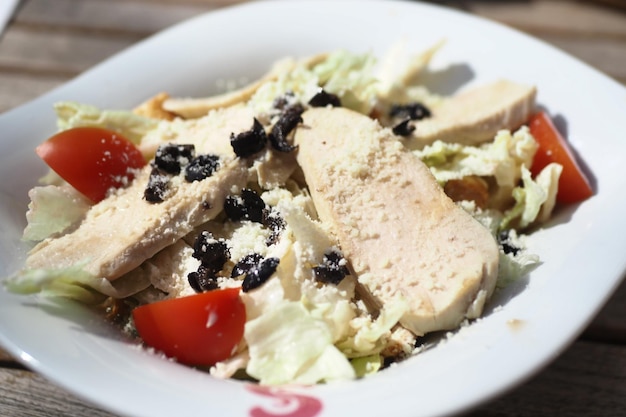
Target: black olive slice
(332, 270)
(414, 111)
(403, 128)
(212, 253)
(324, 98)
(246, 264)
(202, 280)
(247, 206)
(276, 224)
(282, 102)
(249, 142)
(170, 158)
(504, 239)
(259, 274)
(289, 119)
(201, 167)
(157, 186)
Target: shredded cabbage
(370, 336)
(532, 196)
(299, 350)
(501, 159)
(75, 283)
(367, 365)
(52, 210)
(349, 76)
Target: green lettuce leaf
(501, 159)
(349, 76)
(52, 210)
(367, 365)
(287, 345)
(371, 335)
(532, 196)
(75, 283)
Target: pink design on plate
(286, 404)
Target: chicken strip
(123, 230)
(475, 116)
(402, 235)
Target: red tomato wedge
(199, 329)
(91, 159)
(573, 184)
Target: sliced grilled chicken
(403, 236)
(123, 230)
(475, 116)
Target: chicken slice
(403, 236)
(475, 116)
(123, 230)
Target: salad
(308, 227)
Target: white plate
(582, 249)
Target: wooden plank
(65, 51)
(621, 4)
(44, 399)
(610, 324)
(146, 16)
(57, 52)
(54, 41)
(572, 18)
(206, 3)
(588, 380)
(137, 17)
(593, 34)
(107, 31)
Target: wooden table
(51, 41)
